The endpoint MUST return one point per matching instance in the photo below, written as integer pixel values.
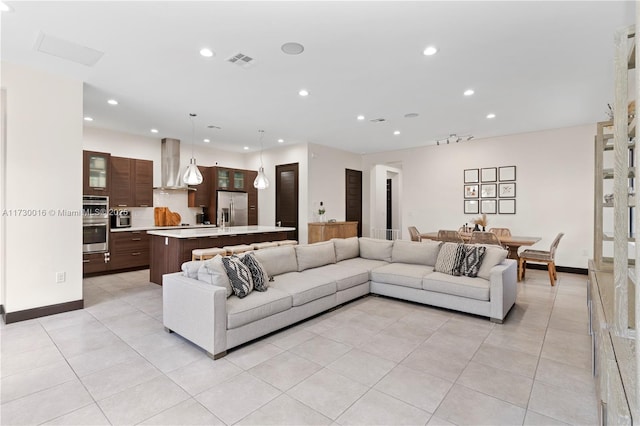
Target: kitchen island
(170, 248)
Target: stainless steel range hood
(170, 175)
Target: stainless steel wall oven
(95, 224)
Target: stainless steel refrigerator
(232, 208)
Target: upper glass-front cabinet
(96, 173)
(238, 180)
(224, 179)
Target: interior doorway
(389, 209)
(353, 197)
(287, 197)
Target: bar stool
(258, 246)
(241, 248)
(287, 243)
(208, 253)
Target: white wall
(43, 173)
(554, 186)
(327, 180)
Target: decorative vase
(476, 228)
(483, 229)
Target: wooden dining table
(512, 243)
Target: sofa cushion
(346, 248)
(419, 253)
(360, 263)
(450, 258)
(492, 257)
(213, 272)
(314, 255)
(258, 273)
(472, 288)
(403, 274)
(190, 268)
(239, 276)
(344, 276)
(473, 256)
(304, 287)
(256, 306)
(371, 248)
(278, 260)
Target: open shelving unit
(613, 298)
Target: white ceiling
(536, 65)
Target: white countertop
(155, 228)
(214, 232)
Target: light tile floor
(373, 361)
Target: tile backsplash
(176, 201)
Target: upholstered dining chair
(541, 256)
(501, 232)
(415, 235)
(484, 237)
(449, 236)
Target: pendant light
(192, 175)
(261, 181)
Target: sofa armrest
(503, 288)
(195, 310)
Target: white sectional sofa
(309, 279)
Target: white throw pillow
(346, 248)
(315, 255)
(213, 272)
(450, 259)
(418, 253)
(492, 257)
(190, 268)
(371, 248)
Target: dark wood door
(287, 196)
(353, 202)
(201, 197)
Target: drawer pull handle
(136, 254)
(144, 205)
(122, 205)
(136, 239)
(86, 261)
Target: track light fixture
(454, 137)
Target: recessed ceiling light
(469, 92)
(360, 117)
(88, 118)
(280, 140)
(154, 130)
(411, 115)
(5, 7)
(112, 102)
(492, 115)
(246, 148)
(397, 132)
(303, 92)
(431, 50)
(207, 53)
(292, 48)
(206, 140)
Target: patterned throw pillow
(239, 276)
(258, 273)
(450, 258)
(473, 256)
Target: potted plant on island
(321, 212)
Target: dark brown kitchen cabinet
(95, 172)
(93, 263)
(129, 250)
(131, 182)
(143, 178)
(252, 197)
(201, 197)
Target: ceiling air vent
(241, 60)
(378, 120)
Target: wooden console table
(324, 231)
